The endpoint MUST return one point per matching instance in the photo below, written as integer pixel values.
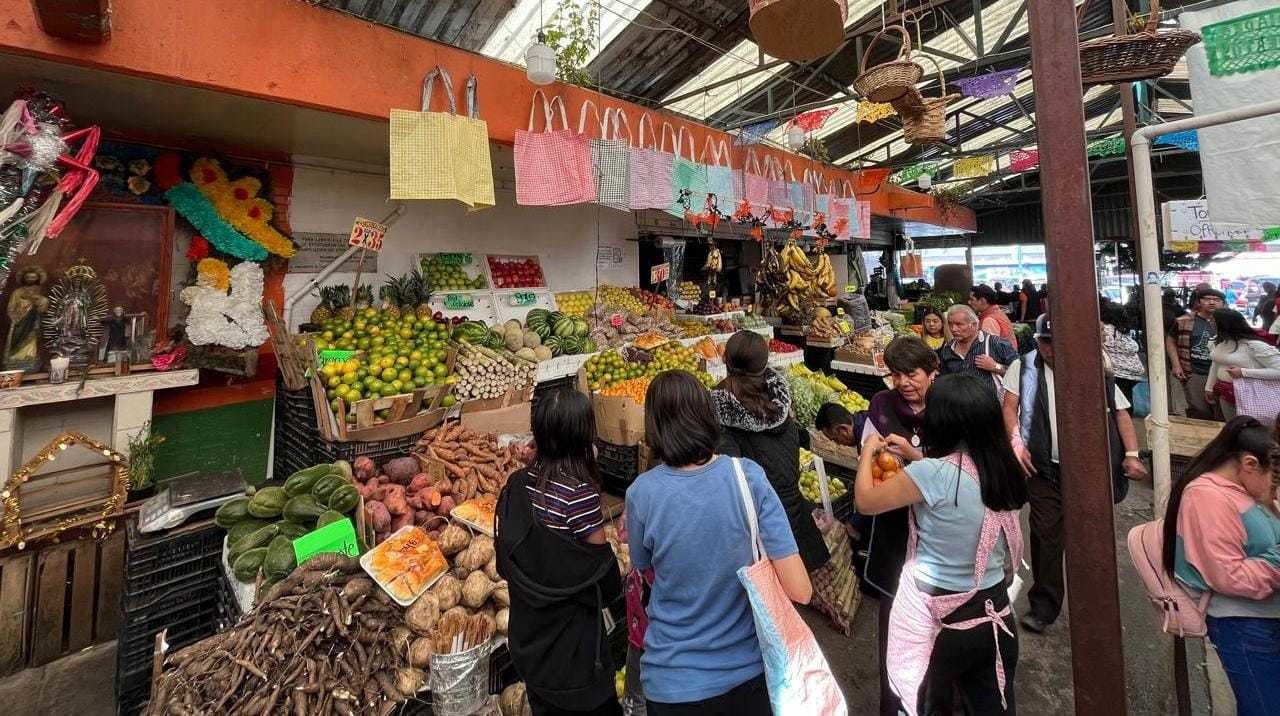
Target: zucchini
(303, 509)
(280, 560)
(247, 565)
(230, 513)
(344, 499)
(302, 481)
(267, 502)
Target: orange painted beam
(288, 51)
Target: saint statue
(26, 307)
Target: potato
(420, 652)
(501, 595)
(491, 569)
(500, 621)
(422, 615)
(410, 680)
(476, 590)
(454, 539)
(448, 592)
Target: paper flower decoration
(238, 202)
(195, 207)
(213, 273)
(973, 167)
(873, 111)
(1020, 160)
(227, 318)
(992, 84)
(198, 249)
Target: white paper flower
(232, 319)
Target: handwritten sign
(454, 259)
(458, 301)
(367, 233)
(1187, 224)
(523, 298)
(660, 272)
(337, 537)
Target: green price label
(337, 537)
(850, 288)
(839, 311)
(453, 259)
(458, 301)
(524, 298)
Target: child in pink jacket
(1222, 536)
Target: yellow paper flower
(973, 167)
(238, 202)
(873, 112)
(213, 273)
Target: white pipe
(1144, 192)
(293, 298)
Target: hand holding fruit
(902, 448)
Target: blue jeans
(1250, 651)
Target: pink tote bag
(650, 170)
(842, 212)
(755, 183)
(553, 167)
(779, 192)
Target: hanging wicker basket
(924, 119)
(891, 80)
(798, 30)
(1143, 55)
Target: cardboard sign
(523, 298)
(368, 234)
(660, 273)
(458, 301)
(1188, 223)
(337, 537)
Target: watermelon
(495, 341)
(542, 330)
(571, 346)
(580, 328)
(553, 344)
(588, 346)
(536, 316)
(564, 327)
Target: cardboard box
(513, 419)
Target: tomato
(887, 462)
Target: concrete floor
(82, 683)
(1044, 677)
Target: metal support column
(1119, 17)
(1097, 654)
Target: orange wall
(288, 51)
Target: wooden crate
(1188, 436)
(59, 600)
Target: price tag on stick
(368, 235)
(659, 273)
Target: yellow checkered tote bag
(439, 155)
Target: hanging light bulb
(540, 61)
(795, 137)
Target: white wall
(328, 199)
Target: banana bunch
(826, 278)
(798, 301)
(714, 263)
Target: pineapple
(418, 296)
(324, 311)
(364, 297)
(342, 303)
(392, 295)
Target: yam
(448, 592)
(420, 652)
(476, 590)
(410, 680)
(422, 615)
(378, 514)
(454, 539)
(500, 620)
(401, 469)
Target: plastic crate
(619, 466)
(378, 450)
(502, 670)
(159, 559)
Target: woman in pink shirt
(1222, 537)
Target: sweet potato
(403, 520)
(448, 591)
(420, 482)
(430, 498)
(395, 500)
(364, 468)
(443, 485)
(420, 517)
(446, 506)
(401, 469)
(378, 514)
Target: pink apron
(916, 619)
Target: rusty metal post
(1093, 595)
(1128, 112)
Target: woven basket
(924, 119)
(798, 30)
(890, 80)
(1129, 58)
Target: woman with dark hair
(1120, 347)
(951, 629)
(1222, 538)
(933, 328)
(1237, 352)
(686, 521)
(1028, 302)
(753, 404)
(560, 571)
(896, 418)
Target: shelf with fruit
(575, 303)
(809, 390)
(811, 490)
(516, 272)
(455, 271)
(611, 367)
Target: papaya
(303, 509)
(279, 560)
(246, 566)
(240, 529)
(231, 513)
(267, 502)
(344, 499)
(303, 480)
(329, 517)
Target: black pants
(963, 662)
(890, 704)
(750, 698)
(1044, 492)
(540, 707)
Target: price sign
(660, 273)
(523, 298)
(458, 301)
(711, 294)
(368, 234)
(454, 259)
(616, 320)
(337, 537)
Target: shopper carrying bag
(720, 175)
(650, 170)
(553, 167)
(439, 155)
(687, 175)
(610, 157)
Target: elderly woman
(972, 350)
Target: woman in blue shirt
(686, 522)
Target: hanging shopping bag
(475, 169)
(912, 265)
(424, 159)
(779, 192)
(553, 167)
(795, 193)
(860, 219)
(610, 159)
(755, 183)
(841, 211)
(687, 175)
(799, 678)
(720, 176)
(650, 171)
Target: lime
(448, 401)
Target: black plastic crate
(619, 466)
(502, 670)
(378, 450)
(161, 558)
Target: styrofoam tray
(367, 558)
